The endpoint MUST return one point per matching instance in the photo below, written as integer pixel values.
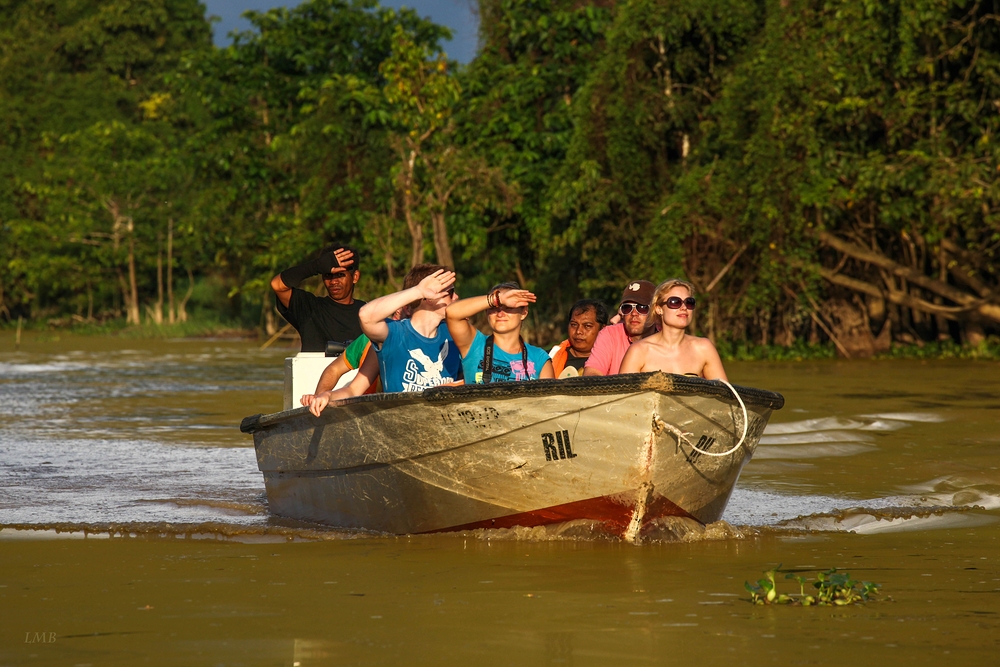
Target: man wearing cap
(319, 319)
(614, 340)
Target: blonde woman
(672, 349)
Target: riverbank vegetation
(825, 172)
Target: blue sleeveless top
(506, 367)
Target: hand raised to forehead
(344, 257)
(516, 298)
(334, 260)
(436, 285)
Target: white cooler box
(302, 372)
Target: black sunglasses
(626, 308)
(674, 302)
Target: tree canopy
(821, 170)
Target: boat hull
(620, 451)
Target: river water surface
(134, 530)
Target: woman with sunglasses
(672, 349)
(503, 356)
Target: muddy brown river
(134, 530)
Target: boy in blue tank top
(416, 353)
(503, 356)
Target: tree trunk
(441, 243)
(182, 315)
(158, 310)
(133, 286)
(414, 225)
(974, 334)
(115, 306)
(383, 228)
(270, 322)
(123, 285)
(968, 304)
(171, 314)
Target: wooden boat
(622, 451)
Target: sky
(459, 15)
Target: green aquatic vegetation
(987, 350)
(53, 331)
(798, 351)
(830, 588)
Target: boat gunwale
(664, 383)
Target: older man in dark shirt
(330, 317)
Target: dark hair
(583, 305)
(508, 285)
(418, 273)
(355, 264)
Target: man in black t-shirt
(319, 319)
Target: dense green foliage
(824, 171)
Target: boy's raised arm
(374, 313)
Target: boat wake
(861, 520)
(176, 507)
(951, 501)
(833, 436)
(210, 530)
(667, 529)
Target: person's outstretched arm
(328, 380)
(374, 313)
(366, 377)
(458, 313)
(283, 283)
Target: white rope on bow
(680, 435)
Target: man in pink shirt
(613, 341)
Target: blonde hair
(665, 287)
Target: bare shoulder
(702, 348)
(706, 354)
(635, 358)
(701, 344)
(641, 345)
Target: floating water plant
(831, 588)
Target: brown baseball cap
(639, 291)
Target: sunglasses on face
(626, 308)
(675, 302)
